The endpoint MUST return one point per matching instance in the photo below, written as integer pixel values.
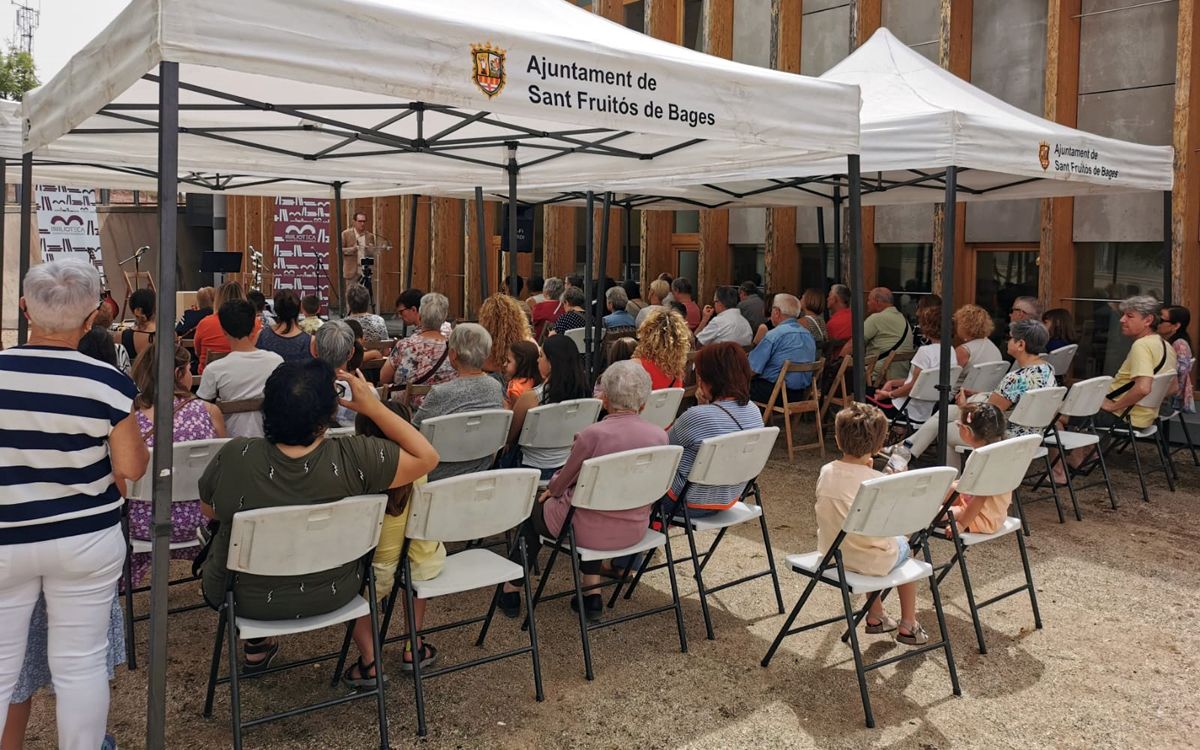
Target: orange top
(516, 387)
(991, 515)
(658, 378)
(210, 337)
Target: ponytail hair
(986, 421)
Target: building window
(749, 263)
(687, 222)
(1105, 274)
(812, 276)
(635, 16)
(693, 16)
(907, 270)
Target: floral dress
(374, 329)
(417, 355)
(1183, 400)
(192, 422)
(1017, 382)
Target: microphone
(137, 254)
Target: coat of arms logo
(488, 69)
(1044, 155)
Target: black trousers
(534, 528)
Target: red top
(210, 337)
(840, 326)
(658, 378)
(693, 314)
(544, 313)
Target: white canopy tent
(421, 95)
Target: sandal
(268, 650)
(885, 625)
(429, 656)
(364, 681)
(916, 636)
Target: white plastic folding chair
(663, 406)
(556, 425)
(190, 459)
(734, 459)
(578, 336)
(984, 377)
(1060, 359)
(459, 509)
(991, 470)
(1169, 416)
(468, 435)
(337, 432)
(899, 504)
(924, 389)
(1082, 404)
(1124, 434)
(288, 542)
(617, 482)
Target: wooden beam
(663, 20)
(715, 262)
(558, 241)
(1185, 200)
(446, 240)
(954, 54)
(471, 252)
(866, 17)
(1056, 253)
(613, 10)
(781, 256)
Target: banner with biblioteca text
(301, 244)
(68, 226)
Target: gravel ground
(1115, 664)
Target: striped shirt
(57, 409)
(696, 425)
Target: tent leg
(588, 257)
(412, 243)
(837, 234)
(627, 243)
(602, 279)
(160, 528)
(857, 311)
(513, 168)
(481, 241)
(824, 250)
(948, 245)
(1168, 270)
(26, 236)
(341, 251)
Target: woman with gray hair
(471, 389)
(358, 299)
(1026, 345)
(71, 443)
(547, 312)
(424, 357)
(626, 387)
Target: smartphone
(342, 388)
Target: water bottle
(898, 460)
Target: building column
(714, 258)
(866, 16)
(1056, 254)
(954, 54)
(781, 256)
(1185, 199)
(663, 20)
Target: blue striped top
(696, 425)
(57, 408)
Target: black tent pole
(602, 280)
(482, 243)
(948, 244)
(26, 236)
(627, 243)
(824, 249)
(164, 369)
(412, 243)
(513, 168)
(857, 310)
(589, 255)
(341, 251)
(3, 222)
(1168, 269)
(837, 232)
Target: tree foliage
(18, 74)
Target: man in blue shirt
(617, 299)
(788, 341)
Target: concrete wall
(914, 22)
(826, 35)
(1008, 60)
(752, 32)
(1126, 90)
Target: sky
(66, 25)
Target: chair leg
(1112, 497)
(1070, 485)
(130, 625)
(390, 608)
(612, 600)
(762, 520)
(487, 619)
(1188, 436)
(787, 427)
(708, 628)
(214, 671)
(674, 587)
(1164, 457)
(1037, 615)
(531, 604)
(235, 697)
(859, 671)
(418, 687)
(377, 638)
(1021, 512)
(647, 559)
(533, 641)
(1137, 460)
(583, 625)
(787, 624)
(1054, 489)
(343, 653)
(941, 618)
(961, 553)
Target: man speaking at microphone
(357, 243)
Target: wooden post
(446, 240)
(781, 257)
(421, 254)
(663, 20)
(866, 17)
(1056, 273)
(558, 242)
(954, 54)
(1185, 199)
(471, 252)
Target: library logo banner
(488, 69)
(68, 226)
(301, 245)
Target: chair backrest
(337, 432)
(662, 406)
(1000, 467)
(383, 346)
(1085, 398)
(1061, 358)
(925, 388)
(210, 357)
(1158, 389)
(189, 460)
(296, 540)
(241, 406)
(628, 479)
(984, 376)
(472, 506)
(899, 504)
(1038, 407)
(733, 458)
(469, 435)
(577, 335)
(555, 425)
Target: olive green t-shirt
(881, 331)
(250, 473)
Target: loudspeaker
(525, 221)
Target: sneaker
(593, 607)
(510, 603)
(110, 743)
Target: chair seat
(355, 608)
(1138, 432)
(651, 540)
(1073, 440)
(739, 513)
(469, 570)
(1009, 526)
(143, 545)
(911, 570)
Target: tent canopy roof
(427, 95)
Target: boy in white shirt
(242, 373)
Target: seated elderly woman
(472, 390)
(424, 357)
(295, 464)
(626, 388)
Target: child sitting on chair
(860, 430)
(979, 425)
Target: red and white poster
(302, 246)
(67, 223)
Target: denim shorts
(905, 551)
